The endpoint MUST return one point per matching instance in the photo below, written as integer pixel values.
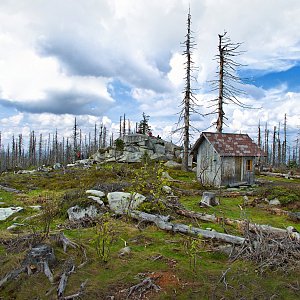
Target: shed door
(238, 169)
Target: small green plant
(192, 248)
(104, 237)
(50, 210)
(149, 181)
(119, 144)
(145, 158)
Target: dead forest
(123, 215)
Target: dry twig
(143, 287)
(270, 251)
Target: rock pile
(136, 146)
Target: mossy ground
(153, 252)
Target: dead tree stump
(209, 199)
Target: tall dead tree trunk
(221, 114)
(124, 125)
(101, 133)
(274, 147)
(95, 138)
(41, 150)
(284, 142)
(228, 82)
(104, 137)
(187, 102)
(259, 144)
(267, 143)
(75, 136)
(278, 147)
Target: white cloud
(177, 72)
(60, 58)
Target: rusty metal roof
(229, 144)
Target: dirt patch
(165, 279)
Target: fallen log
(11, 275)
(8, 189)
(242, 224)
(272, 174)
(63, 280)
(162, 223)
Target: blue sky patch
(290, 78)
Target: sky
(100, 59)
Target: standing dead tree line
(49, 149)
(274, 144)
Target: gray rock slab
(77, 212)
(85, 161)
(158, 157)
(172, 164)
(121, 202)
(96, 199)
(143, 150)
(8, 189)
(166, 176)
(96, 193)
(71, 165)
(131, 157)
(167, 190)
(15, 226)
(98, 157)
(160, 149)
(6, 212)
(26, 171)
(56, 166)
(274, 202)
(36, 207)
(131, 148)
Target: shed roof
(229, 144)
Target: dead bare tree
(274, 147)
(228, 82)
(75, 138)
(278, 147)
(188, 104)
(284, 142)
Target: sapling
(104, 237)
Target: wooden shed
(225, 158)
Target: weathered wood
(160, 222)
(240, 223)
(63, 281)
(11, 275)
(272, 174)
(39, 257)
(48, 272)
(60, 238)
(78, 294)
(142, 287)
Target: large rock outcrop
(137, 146)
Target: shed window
(249, 165)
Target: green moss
(146, 242)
